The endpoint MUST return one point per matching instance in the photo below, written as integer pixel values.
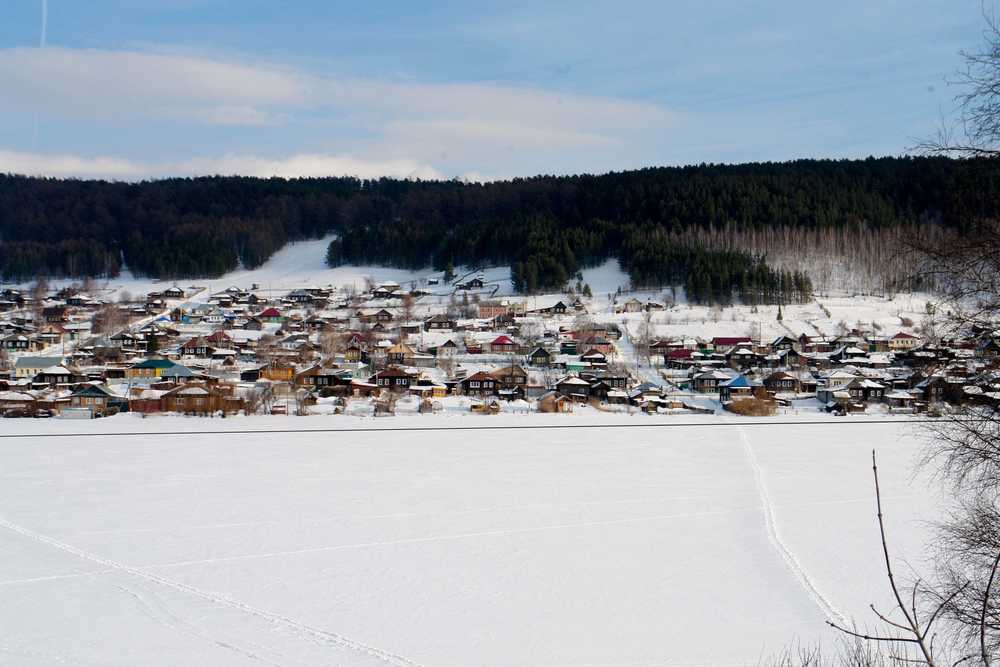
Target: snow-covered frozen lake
(710, 544)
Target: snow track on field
(168, 619)
(774, 537)
(323, 636)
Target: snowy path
(634, 362)
(774, 536)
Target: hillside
(762, 232)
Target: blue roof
(738, 382)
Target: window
(474, 384)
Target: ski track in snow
(323, 636)
(774, 537)
(167, 618)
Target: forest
(759, 231)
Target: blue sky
(127, 90)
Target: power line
(417, 429)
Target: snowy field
(710, 544)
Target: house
(410, 328)
(98, 399)
(56, 375)
(782, 382)
(503, 345)
(741, 357)
(22, 343)
(196, 347)
(599, 343)
(903, 341)
(53, 314)
(708, 382)
(633, 305)
(474, 283)
(149, 368)
(220, 338)
(440, 322)
(399, 354)
(17, 403)
(200, 399)
(574, 387)
(857, 390)
(174, 292)
(479, 384)
(354, 353)
(299, 296)
(540, 357)
(446, 350)
(594, 357)
(568, 346)
(554, 308)
(724, 344)
(323, 377)
(387, 290)
(934, 389)
(271, 316)
(784, 342)
(392, 379)
(29, 367)
(510, 377)
(492, 310)
(901, 399)
(735, 388)
(553, 401)
(278, 371)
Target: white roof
(15, 396)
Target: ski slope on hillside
(705, 544)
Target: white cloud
(112, 83)
(301, 165)
(459, 126)
(143, 82)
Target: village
(450, 346)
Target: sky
(127, 90)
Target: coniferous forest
(760, 232)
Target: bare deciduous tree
(976, 130)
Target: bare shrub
(752, 407)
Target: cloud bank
(401, 128)
(295, 166)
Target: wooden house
(440, 322)
(503, 345)
(392, 379)
(540, 357)
(479, 384)
(574, 388)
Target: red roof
(502, 340)
(732, 340)
(270, 312)
(679, 354)
(903, 334)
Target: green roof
(155, 363)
